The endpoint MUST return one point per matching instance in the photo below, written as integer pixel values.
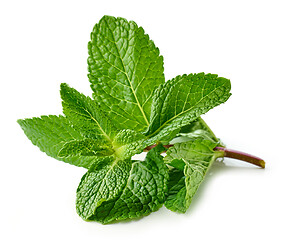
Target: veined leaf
(104, 181)
(196, 129)
(85, 147)
(183, 99)
(196, 125)
(191, 161)
(143, 193)
(133, 109)
(50, 133)
(85, 115)
(124, 69)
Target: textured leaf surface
(128, 143)
(183, 99)
(143, 193)
(176, 197)
(86, 147)
(104, 181)
(196, 157)
(196, 129)
(85, 115)
(124, 69)
(199, 124)
(50, 133)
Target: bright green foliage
(183, 99)
(104, 181)
(50, 133)
(129, 142)
(132, 109)
(84, 113)
(86, 147)
(143, 193)
(190, 161)
(194, 130)
(199, 124)
(124, 69)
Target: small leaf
(176, 197)
(85, 115)
(196, 157)
(50, 133)
(86, 147)
(128, 142)
(197, 125)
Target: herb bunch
(133, 110)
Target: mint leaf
(86, 147)
(85, 115)
(177, 196)
(128, 142)
(190, 161)
(197, 128)
(183, 99)
(124, 69)
(104, 181)
(88, 118)
(143, 193)
(133, 110)
(50, 133)
(199, 124)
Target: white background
(44, 43)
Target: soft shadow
(216, 168)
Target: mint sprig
(132, 110)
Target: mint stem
(230, 154)
(242, 156)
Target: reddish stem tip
(242, 156)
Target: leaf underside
(190, 162)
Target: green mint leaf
(190, 161)
(199, 124)
(124, 69)
(127, 136)
(134, 109)
(86, 147)
(143, 193)
(183, 99)
(104, 181)
(196, 129)
(177, 196)
(85, 115)
(50, 133)
(128, 142)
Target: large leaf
(85, 115)
(190, 161)
(183, 99)
(142, 193)
(50, 133)
(124, 69)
